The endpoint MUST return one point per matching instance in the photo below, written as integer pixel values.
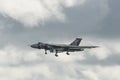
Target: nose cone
(34, 46)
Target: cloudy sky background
(24, 22)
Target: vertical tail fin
(76, 42)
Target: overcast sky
(25, 22)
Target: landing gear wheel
(67, 53)
(56, 55)
(45, 52)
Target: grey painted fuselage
(74, 46)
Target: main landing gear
(45, 51)
(67, 53)
(56, 54)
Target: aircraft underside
(61, 50)
(55, 48)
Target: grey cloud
(18, 63)
(36, 12)
(110, 24)
(90, 20)
(85, 20)
(112, 60)
(94, 18)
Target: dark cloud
(95, 19)
(98, 20)
(110, 24)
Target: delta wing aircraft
(57, 48)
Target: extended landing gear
(67, 53)
(45, 51)
(56, 54)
